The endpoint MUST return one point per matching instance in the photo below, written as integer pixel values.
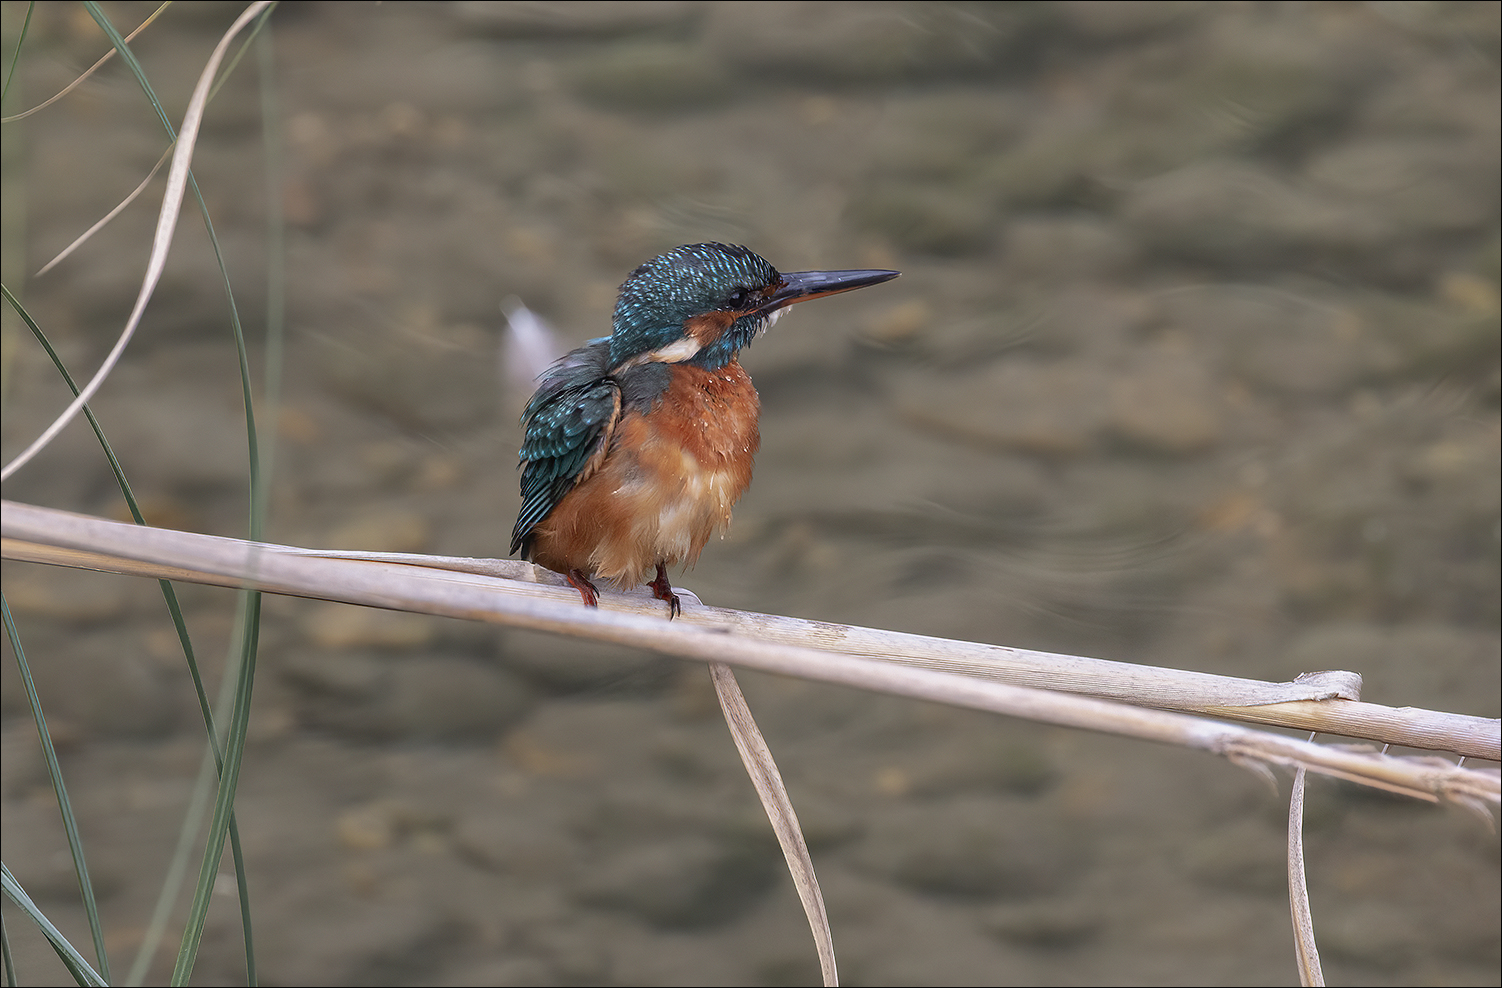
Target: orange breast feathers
(667, 482)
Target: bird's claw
(587, 591)
(663, 590)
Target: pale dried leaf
(1305, 948)
(762, 769)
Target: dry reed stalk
(1305, 950)
(46, 535)
(762, 768)
(1326, 702)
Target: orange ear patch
(710, 326)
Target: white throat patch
(686, 347)
(674, 353)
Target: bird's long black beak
(800, 286)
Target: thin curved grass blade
(15, 61)
(223, 824)
(178, 178)
(64, 804)
(71, 958)
(8, 961)
(168, 895)
(104, 221)
(229, 778)
(82, 76)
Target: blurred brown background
(1194, 362)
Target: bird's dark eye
(738, 298)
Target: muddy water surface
(1193, 362)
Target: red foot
(663, 590)
(580, 582)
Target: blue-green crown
(662, 294)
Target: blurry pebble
(901, 322)
(971, 848)
(66, 594)
(692, 881)
(333, 673)
(1374, 935)
(584, 20)
(571, 665)
(382, 531)
(1052, 409)
(347, 626)
(1046, 925)
(1247, 856)
(452, 699)
(367, 828)
(516, 844)
(1166, 403)
(653, 75)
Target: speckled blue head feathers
(660, 298)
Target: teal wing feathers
(567, 424)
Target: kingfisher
(638, 444)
